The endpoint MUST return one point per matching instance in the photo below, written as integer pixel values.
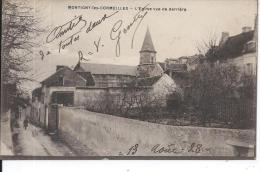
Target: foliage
(221, 94)
(209, 47)
(20, 28)
(131, 101)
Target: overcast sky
(174, 33)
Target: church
(92, 85)
(109, 75)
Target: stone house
(57, 89)
(239, 50)
(178, 69)
(193, 61)
(181, 65)
(160, 88)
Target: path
(35, 142)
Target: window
(152, 58)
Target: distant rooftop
(235, 45)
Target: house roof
(235, 45)
(157, 71)
(162, 64)
(71, 78)
(195, 59)
(46, 80)
(184, 57)
(148, 81)
(148, 43)
(95, 68)
(88, 77)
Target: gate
(53, 118)
(66, 98)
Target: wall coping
(93, 87)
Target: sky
(174, 33)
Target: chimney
(246, 29)
(58, 67)
(224, 38)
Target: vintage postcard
(128, 79)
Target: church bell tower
(147, 53)
(147, 66)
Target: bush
(222, 95)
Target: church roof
(88, 77)
(148, 43)
(95, 68)
(148, 81)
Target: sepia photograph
(135, 80)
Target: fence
(236, 114)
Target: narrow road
(34, 142)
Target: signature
(117, 30)
(81, 56)
(43, 54)
(71, 30)
(69, 41)
(76, 23)
(94, 24)
(97, 44)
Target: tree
(212, 87)
(209, 47)
(20, 28)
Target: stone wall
(98, 98)
(108, 135)
(102, 80)
(42, 117)
(37, 113)
(82, 97)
